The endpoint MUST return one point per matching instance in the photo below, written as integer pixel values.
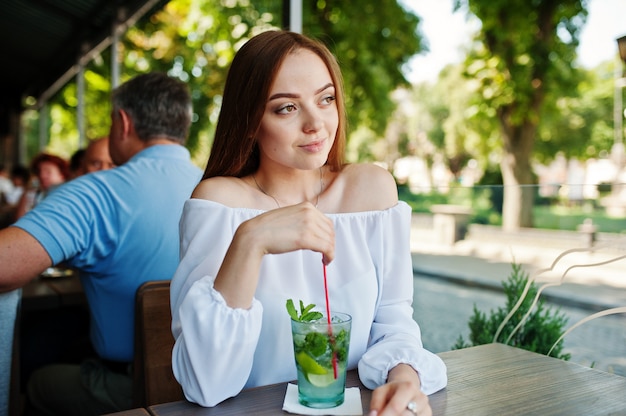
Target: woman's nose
(313, 121)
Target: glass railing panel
(574, 253)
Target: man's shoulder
(163, 158)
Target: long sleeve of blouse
(220, 350)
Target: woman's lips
(313, 147)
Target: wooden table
(497, 379)
(52, 324)
(258, 401)
(140, 411)
(493, 379)
(50, 293)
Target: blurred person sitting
(6, 186)
(119, 228)
(20, 177)
(92, 158)
(50, 171)
(76, 163)
(97, 156)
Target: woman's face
(49, 175)
(300, 121)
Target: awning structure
(42, 43)
(41, 40)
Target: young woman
(276, 201)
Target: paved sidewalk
(484, 259)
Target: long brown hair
(235, 151)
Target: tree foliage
(195, 40)
(372, 41)
(524, 52)
(578, 123)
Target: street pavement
(592, 279)
(450, 279)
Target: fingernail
(373, 413)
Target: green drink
(321, 359)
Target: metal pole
(43, 126)
(292, 15)
(80, 108)
(295, 16)
(618, 189)
(617, 104)
(116, 30)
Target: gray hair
(160, 106)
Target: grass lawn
(566, 218)
(552, 216)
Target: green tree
(195, 40)
(372, 41)
(524, 50)
(579, 123)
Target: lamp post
(620, 82)
(617, 204)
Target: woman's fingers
(297, 227)
(399, 399)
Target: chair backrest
(154, 380)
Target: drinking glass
(321, 355)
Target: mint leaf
(311, 316)
(316, 343)
(306, 314)
(304, 311)
(291, 309)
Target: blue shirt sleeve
(66, 223)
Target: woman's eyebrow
(291, 95)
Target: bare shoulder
(367, 187)
(226, 190)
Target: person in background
(49, 172)
(276, 200)
(119, 228)
(97, 156)
(76, 163)
(92, 158)
(20, 177)
(6, 186)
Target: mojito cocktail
(321, 357)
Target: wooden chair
(154, 380)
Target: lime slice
(322, 380)
(309, 365)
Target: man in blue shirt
(119, 228)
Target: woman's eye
(328, 99)
(286, 109)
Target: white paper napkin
(350, 406)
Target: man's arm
(22, 258)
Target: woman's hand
(401, 395)
(296, 227)
(282, 230)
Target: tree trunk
(517, 176)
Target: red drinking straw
(330, 328)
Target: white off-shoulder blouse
(220, 350)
